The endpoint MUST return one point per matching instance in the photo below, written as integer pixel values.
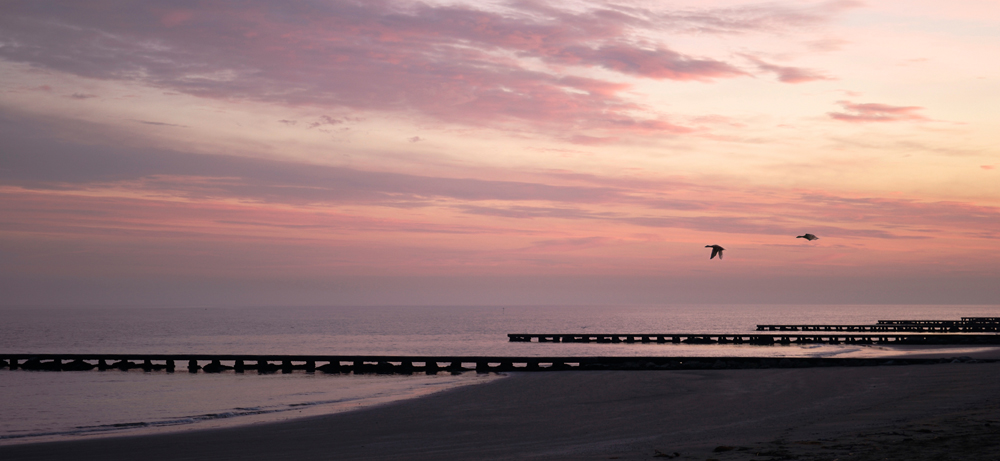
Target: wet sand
(947, 411)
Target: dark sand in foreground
(949, 411)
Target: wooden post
(193, 366)
(332, 367)
(239, 367)
(214, 367)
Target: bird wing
(715, 251)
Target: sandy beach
(949, 411)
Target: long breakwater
(262, 364)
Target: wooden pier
(762, 339)
(264, 364)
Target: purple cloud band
(456, 63)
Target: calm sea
(41, 406)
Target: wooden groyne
(916, 332)
(263, 364)
(954, 327)
(761, 339)
(944, 322)
(965, 325)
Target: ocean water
(42, 406)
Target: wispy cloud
(35, 160)
(326, 120)
(527, 62)
(789, 74)
(147, 122)
(872, 112)
(771, 17)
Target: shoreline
(269, 399)
(597, 415)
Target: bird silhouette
(716, 250)
(809, 237)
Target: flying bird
(809, 237)
(716, 250)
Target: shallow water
(59, 405)
(42, 406)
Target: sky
(499, 152)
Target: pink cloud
(325, 120)
(455, 63)
(987, 167)
(656, 63)
(176, 17)
(789, 74)
(755, 17)
(37, 160)
(871, 112)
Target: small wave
(184, 420)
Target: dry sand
(939, 412)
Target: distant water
(39, 406)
